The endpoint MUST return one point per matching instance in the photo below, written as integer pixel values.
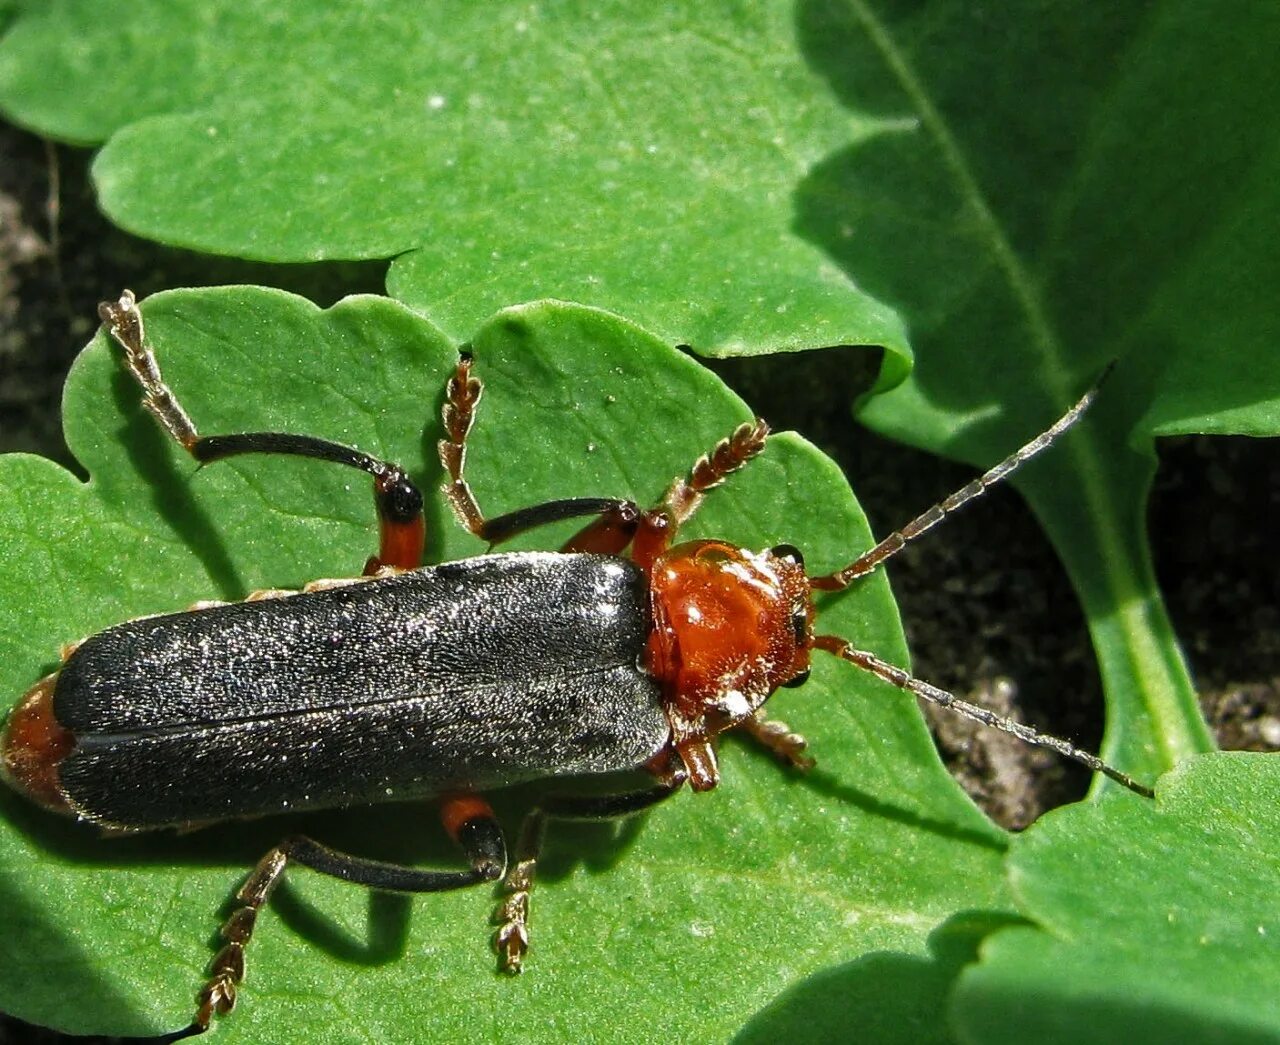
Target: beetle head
(730, 627)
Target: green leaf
(635, 156)
(1157, 924)
(700, 913)
(1077, 184)
(889, 997)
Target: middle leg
(397, 499)
(512, 938)
(469, 821)
(617, 520)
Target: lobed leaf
(635, 156)
(709, 908)
(1157, 924)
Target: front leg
(778, 738)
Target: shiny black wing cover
(469, 675)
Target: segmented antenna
(904, 680)
(870, 561)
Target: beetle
(622, 651)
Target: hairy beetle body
(471, 675)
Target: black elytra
(470, 675)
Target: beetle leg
(656, 528)
(262, 594)
(619, 523)
(476, 831)
(227, 970)
(462, 393)
(124, 322)
(398, 500)
(396, 497)
(402, 531)
(329, 583)
(777, 737)
(512, 915)
(710, 470)
(609, 534)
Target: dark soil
(1213, 514)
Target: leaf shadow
(387, 935)
(887, 995)
(145, 446)
(1039, 182)
(238, 846)
(383, 832)
(831, 786)
(91, 980)
(435, 510)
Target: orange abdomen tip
(33, 745)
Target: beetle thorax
(725, 634)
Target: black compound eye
(798, 680)
(789, 552)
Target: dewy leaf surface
(636, 156)
(1159, 922)
(1074, 184)
(695, 917)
